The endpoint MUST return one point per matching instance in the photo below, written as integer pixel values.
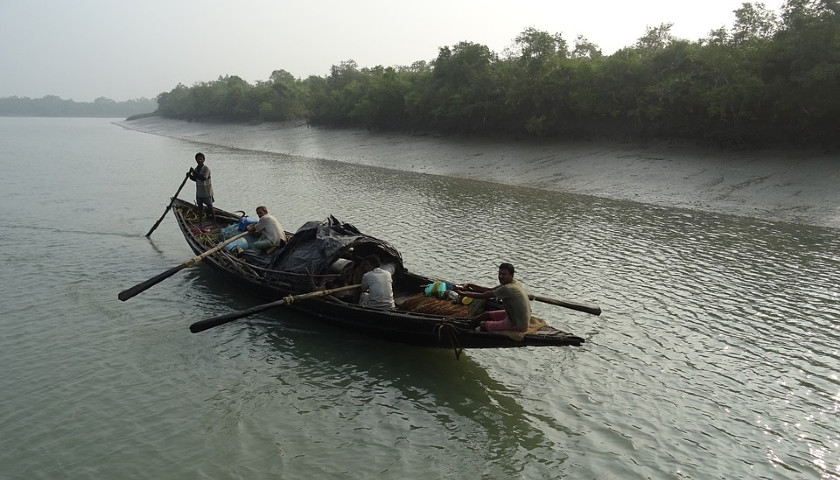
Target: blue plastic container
(245, 221)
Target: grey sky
(83, 49)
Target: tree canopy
(53, 106)
(770, 78)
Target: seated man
(272, 233)
(377, 285)
(517, 312)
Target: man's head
(261, 210)
(199, 158)
(371, 262)
(505, 273)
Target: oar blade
(592, 309)
(143, 286)
(140, 287)
(586, 308)
(209, 323)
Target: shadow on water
(157, 248)
(457, 396)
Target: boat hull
(413, 328)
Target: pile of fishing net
(420, 303)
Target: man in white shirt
(377, 285)
(272, 233)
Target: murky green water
(716, 355)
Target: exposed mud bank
(791, 186)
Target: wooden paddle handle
(168, 207)
(143, 286)
(208, 323)
(580, 307)
(593, 309)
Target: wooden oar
(141, 287)
(593, 309)
(205, 324)
(168, 206)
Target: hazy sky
(119, 49)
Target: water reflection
(449, 402)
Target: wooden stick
(593, 309)
(208, 323)
(581, 307)
(168, 206)
(143, 286)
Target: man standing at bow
(203, 187)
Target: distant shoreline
(776, 185)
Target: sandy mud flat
(780, 185)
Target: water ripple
(715, 356)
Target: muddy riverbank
(788, 185)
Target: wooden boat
(325, 255)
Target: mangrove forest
(770, 78)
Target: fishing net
(422, 304)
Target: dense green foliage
(771, 78)
(231, 98)
(52, 106)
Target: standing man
(517, 312)
(203, 187)
(272, 234)
(377, 285)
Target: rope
(451, 331)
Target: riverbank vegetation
(53, 106)
(770, 78)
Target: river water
(716, 355)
